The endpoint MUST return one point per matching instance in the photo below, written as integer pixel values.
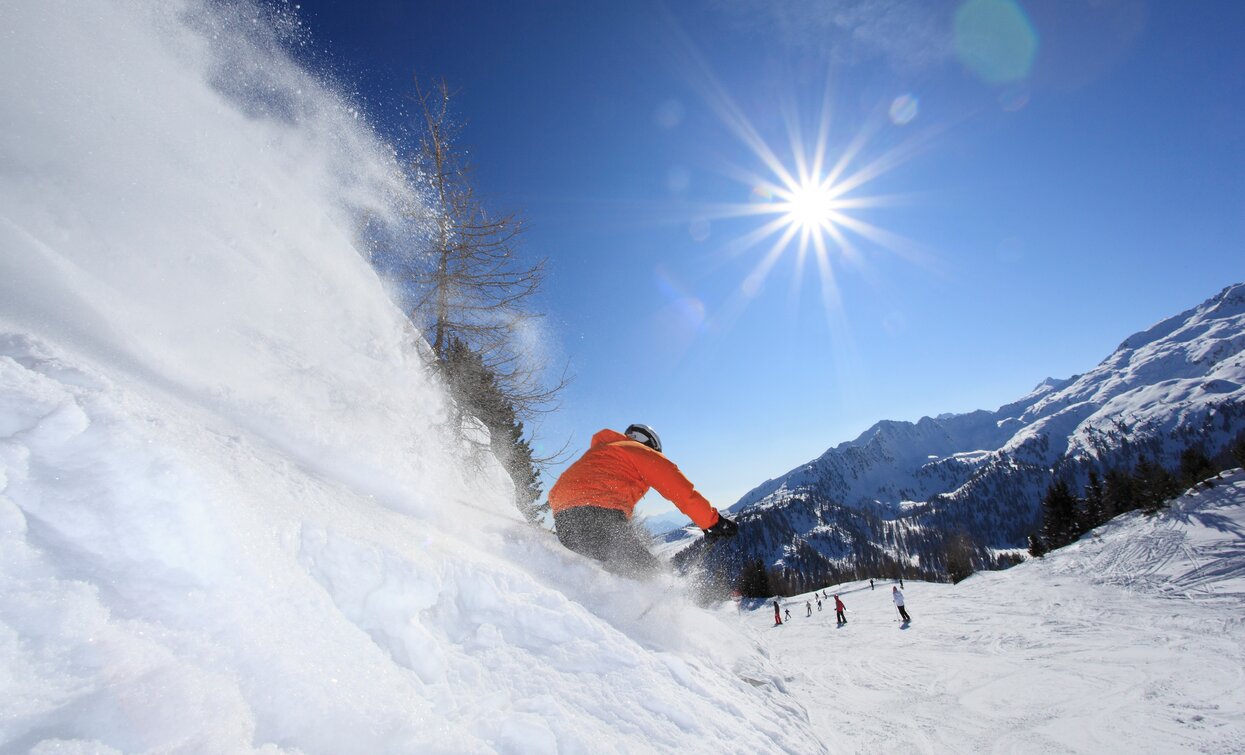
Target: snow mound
(1194, 549)
(231, 516)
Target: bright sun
(809, 198)
(810, 203)
(811, 206)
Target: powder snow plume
(231, 515)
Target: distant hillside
(902, 490)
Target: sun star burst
(811, 204)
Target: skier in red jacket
(839, 608)
(593, 500)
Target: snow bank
(230, 516)
(1195, 549)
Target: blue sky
(1028, 184)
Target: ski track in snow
(1131, 640)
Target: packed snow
(1130, 640)
(233, 516)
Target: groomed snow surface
(233, 517)
(1130, 640)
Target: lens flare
(669, 114)
(761, 194)
(1014, 97)
(994, 40)
(904, 109)
(699, 229)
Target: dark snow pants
(903, 613)
(607, 536)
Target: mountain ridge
(900, 488)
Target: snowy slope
(231, 515)
(1159, 380)
(1131, 640)
(232, 518)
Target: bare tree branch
(471, 286)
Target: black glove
(723, 528)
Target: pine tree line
(1146, 486)
(903, 554)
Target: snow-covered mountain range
(983, 473)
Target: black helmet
(644, 434)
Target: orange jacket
(616, 472)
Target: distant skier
(808, 604)
(787, 611)
(819, 604)
(593, 500)
(777, 620)
(870, 584)
(839, 608)
(897, 596)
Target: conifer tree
(1155, 485)
(958, 554)
(1095, 502)
(1059, 515)
(754, 580)
(475, 389)
(1120, 494)
(1195, 466)
(1238, 450)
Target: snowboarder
(809, 605)
(593, 499)
(839, 608)
(777, 621)
(897, 596)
